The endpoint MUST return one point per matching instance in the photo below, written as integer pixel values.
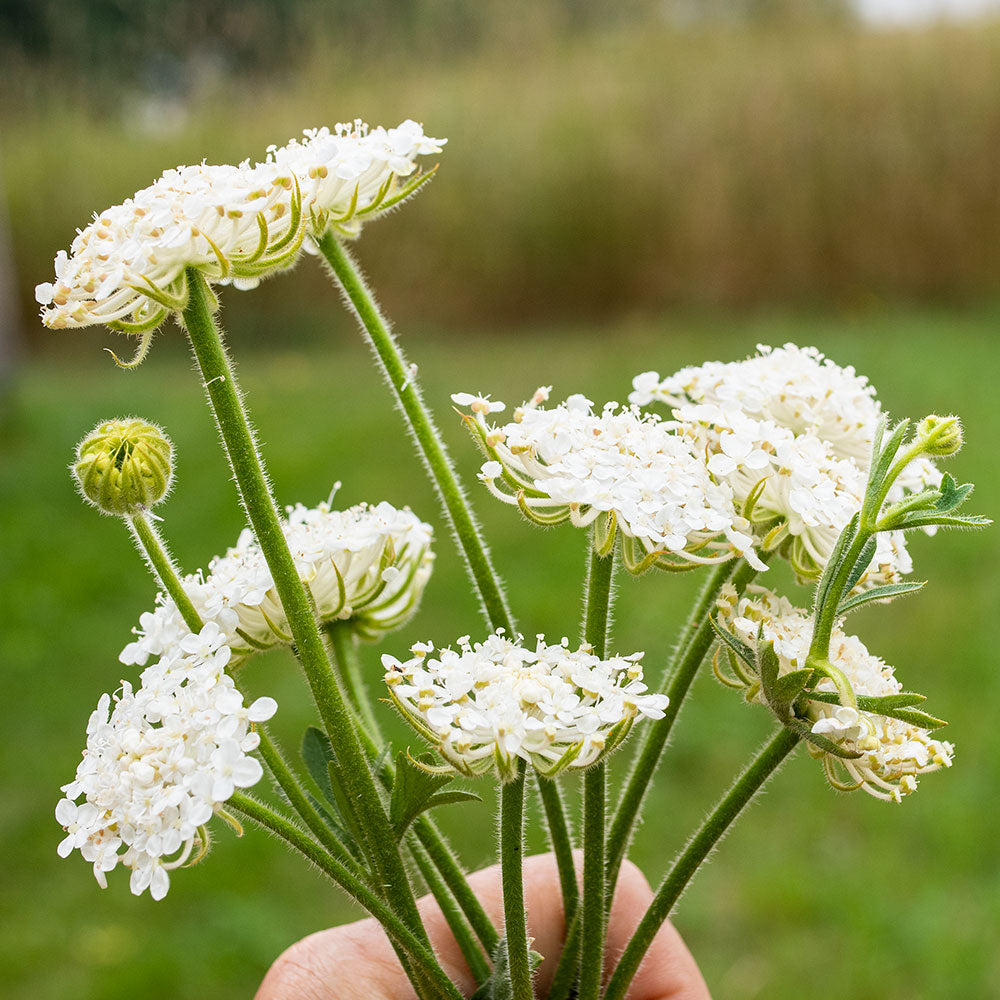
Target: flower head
(624, 470)
(353, 173)
(893, 751)
(487, 705)
(127, 268)
(366, 564)
(160, 761)
(791, 433)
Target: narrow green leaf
(789, 686)
(416, 790)
(316, 754)
(864, 561)
(740, 648)
(883, 593)
(805, 731)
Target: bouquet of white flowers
(720, 469)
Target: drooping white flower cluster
(894, 752)
(799, 428)
(159, 762)
(236, 224)
(367, 564)
(637, 471)
(486, 705)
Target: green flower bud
(939, 436)
(123, 466)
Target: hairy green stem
(595, 633)
(148, 539)
(459, 926)
(562, 846)
(565, 976)
(343, 642)
(512, 879)
(248, 470)
(416, 949)
(694, 854)
(402, 379)
(681, 673)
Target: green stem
(565, 976)
(416, 949)
(299, 801)
(343, 642)
(681, 673)
(225, 398)
(562, 846)
(459, 926)
(401, 377)
(595, 633)
(512, 878)
(694, 854)
(148, 539)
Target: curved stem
(234, 426)
(512, 878)
(149, 541)
(401, 377)
(418, 952)
(298, 800)
(697, 850)
(688, 659)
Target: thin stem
(512, 878)
(694, 854)
(459, 926)
(561, 844)
(148, 539)
(417, 950)
(343, 642)
(565, 976)
(234, 426)
(401, 377)
(299, 801)
(595, 633)
(688, 659)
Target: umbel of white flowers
(794, 431)
(891, 750)
(618, 469)
(367, 564)
(485, 706)
(160, 763)
(236, 224)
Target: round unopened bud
(123, 466)
(940, 436)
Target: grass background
(814, 892)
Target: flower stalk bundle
(721, 470)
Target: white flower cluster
(234, 223)
(799, 427)
(649, 480)
(488, 704)
(160, 763)
(366, 564)
(893, 752)
(353, 172)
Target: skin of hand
(356, 961)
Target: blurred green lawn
(816, 894)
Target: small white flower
(893, 752)
(485, 705)
(632, 471)
(158, 764)
(796, 430)
(369, 564)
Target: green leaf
(768, 664)
(740, 648)
(317, 755)
(843, 543)
(921, 519)
(864, 561)
(416, 790)
(893, 706)
(789, 686)
(883, 593)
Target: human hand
(356, 961)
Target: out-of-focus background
(626, 186)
